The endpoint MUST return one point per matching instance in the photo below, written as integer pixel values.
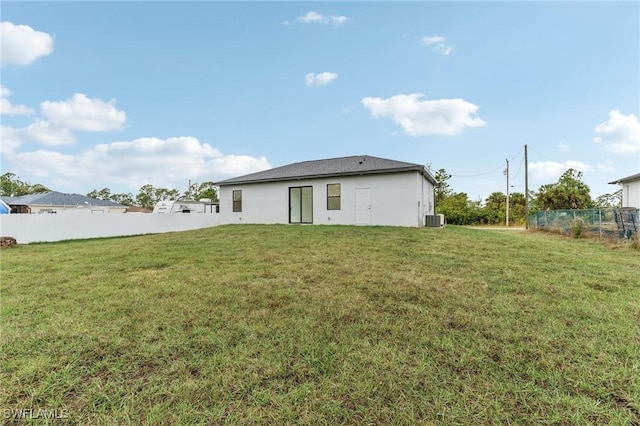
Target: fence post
(600, 222)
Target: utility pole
(506, 172)
(526, 188)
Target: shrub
(577, 228)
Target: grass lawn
(313, 325)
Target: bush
(577, 228)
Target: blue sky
(123, 94)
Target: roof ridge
(326, 167)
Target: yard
(321, 325)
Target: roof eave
(626, 179)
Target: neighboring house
(630, 190)
(357, 190)
(57, 202)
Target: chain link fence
(605, 223)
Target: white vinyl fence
(30, 228)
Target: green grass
(323, 325)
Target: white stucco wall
(631, 194)
(29, 228)
(397, 199)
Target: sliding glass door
(301, 204)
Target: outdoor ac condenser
(433, 221)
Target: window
(333, 196)
(301, 204)
(237, 200)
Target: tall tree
(442, 186)
(146, 197)
(149, 196)
(103, 194)
(570, 192)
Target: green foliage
(124, 199)
(459, 210)
(577, 228)
(149, 196)
(198, 191)
(570, 192)
(105, 194)
(11, 186)
(610, 200)
(442, 186)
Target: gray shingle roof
(343, 166)
(627, 179)
(55, 198)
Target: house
(58, 202)
(356, 190)
(630, 190)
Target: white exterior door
(363, 206)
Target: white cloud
(317, 18)
(427, 41)
(77, 113)
(319, 79)
(21, 44)
(419, 118)
(437, 43)
(554, 169)
(564, 147)
(7, 108)
(40, 131)
(620, 134)
(81, 113)
(168, 163)
(9, 140)
(48, 134)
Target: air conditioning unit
(434, 221)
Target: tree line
(147, 197)
(568, 193)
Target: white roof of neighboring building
(627, 179)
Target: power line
(519, 167)
(540, 154)
(501, 166)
